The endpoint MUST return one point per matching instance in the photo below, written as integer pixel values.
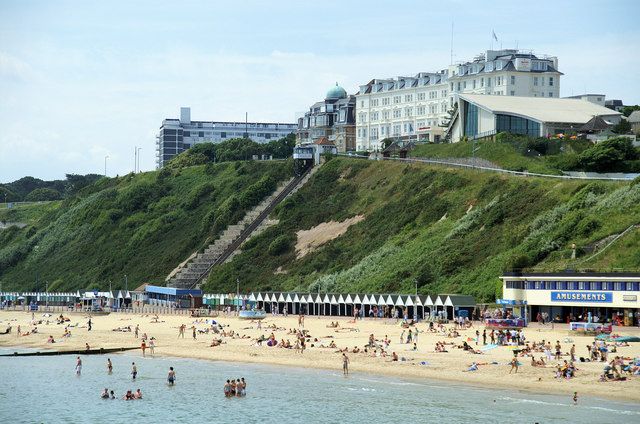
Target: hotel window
(408, 112)
(385, 101)
(396, 130)
(550, 82)
(459, 86)
(397, 99)
(408, 98)
(481, 82)
(513, 93)
(513, 80)
(385, 114)
(464, 84)
(535, 81)
(474, 84)
(362, 103)
(396, 113)
(550, 94)
(541, 80)
(421, 96)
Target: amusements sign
(570, 296)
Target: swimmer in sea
(78, 366)
(105, 394)
(171, 377)
(109, 366)
(575, 398)
(134, 370)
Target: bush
(280, 245)
(43, 194)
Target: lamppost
(238, 296)
(105, 165)
(138, 158)
(46, 290)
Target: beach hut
(326, 304)
(318, 300)
(335, 306)
(461, 305)
(342, 304)
(439, 302)
(425, 302)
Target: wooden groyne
(100, 351)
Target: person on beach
(181, 331)
(345, 364)
(193, 331)
(152, 346)
(134, 370)
(78, 366)
(143, 346)
(171, 377)
(227, 389)
(89, 325)
(137, 330)
(514, 365)
(109, 366)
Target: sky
(81, 80)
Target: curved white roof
(542, 109)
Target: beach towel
(488, 347)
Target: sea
(46, 389)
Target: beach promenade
(324, 345)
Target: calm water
(46, 389)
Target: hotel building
(419, 108)
(177, 135)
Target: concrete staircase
(197, 267)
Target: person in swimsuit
(134, 370)
(105, 394)
(244, 384)
(171, 377)
(137, 394)
(227, 389)
(109, 366)
(345, 364)
(143, 346)
(78, 366)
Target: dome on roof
(336, 93)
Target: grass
(512, 153)
(139, 225)
(418, 227)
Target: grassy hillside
(139, 225)
(512, 152)
(448, 230)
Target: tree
(608, 155)
(622, 127)
(628, 110)
(386, 142)
(43, 194)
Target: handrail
(251, 227)
(488, 168)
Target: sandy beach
(421, 363)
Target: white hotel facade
(418, 107)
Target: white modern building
(177, 135)
(606, 295)
(419, 107)
(478, 115)
(593, 98)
